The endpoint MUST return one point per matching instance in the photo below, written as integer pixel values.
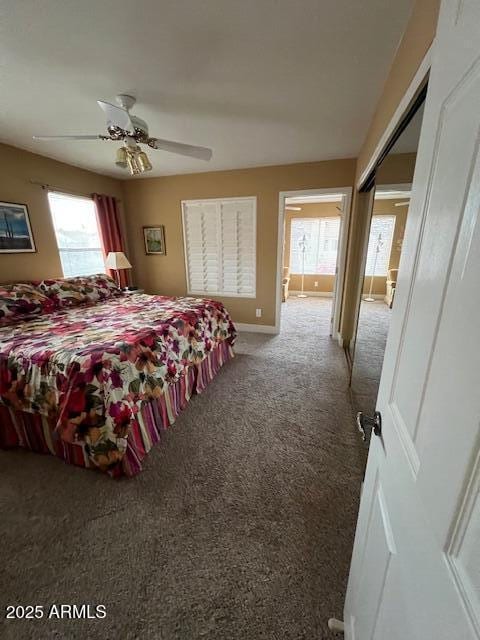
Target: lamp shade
(117, 260)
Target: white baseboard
(340, 340)
(313, 294)
(255, 328)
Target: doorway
(312, 247)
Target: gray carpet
(240, 527)
(373, 325)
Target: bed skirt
(37, 432)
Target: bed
(94, 376)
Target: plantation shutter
(320, 238)
(380, 245)
(220, 249)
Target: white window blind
(220, 246)
(379, 245)
(78, 238)
(319, 236)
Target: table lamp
(117, 260)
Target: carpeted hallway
(240, 527)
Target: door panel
(377, 554)
(462, 551)
(424, 472)
(452, 390)
(454, 140)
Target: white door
(415, 572)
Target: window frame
(74, 249)
(308, 218)
(184, 203)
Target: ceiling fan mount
(133, 131)
(125, 101)
(140, 127)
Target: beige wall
(415, 43)
(324, 283)
(18, 168)
(318, 210)
(155, 201)
(396, 169)
(379, 285)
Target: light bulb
(143, 162)
(132, 164)
(121, 158)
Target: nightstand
(130, 291)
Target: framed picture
(154, 238)
(15, 231)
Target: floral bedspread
(92, 366)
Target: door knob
(367, 424)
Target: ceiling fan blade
(94, 137)
(202, 153)
(116, 116)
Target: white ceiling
(260, 81)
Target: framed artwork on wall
(154, 238)
(15, 231)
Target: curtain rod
(69, 192)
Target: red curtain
(110, 232)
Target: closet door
(415, 571)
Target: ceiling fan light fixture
(130, 131)
(143, 162)
(132, 163)
(121, 158)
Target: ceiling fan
(132, 131)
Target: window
(379, 245)
(220, 246)
(78, 238)
(319, 238)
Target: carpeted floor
(373, 325)
(240, 527)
